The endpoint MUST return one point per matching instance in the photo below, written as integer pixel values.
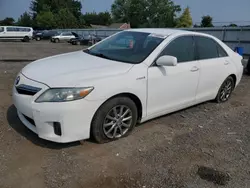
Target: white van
(16, 33)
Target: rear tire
(26, 39)
(225, 90)
(115, 119)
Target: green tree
(81, 22)
(65, 19)
(120, 10)
(7, 21)
(162, 13)
(104, 18)
(91, 18)
(207, 21)
(185, 20)
(232, 25)
(46, 20)
(25, 20)
(56, 10)
(145, 13)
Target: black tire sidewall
(97, 122)
(218, 100)
(26, 39)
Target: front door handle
(226, 63)
(194, 69)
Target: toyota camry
(128, 78)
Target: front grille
(27, 90)
(31, 121)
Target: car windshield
(128, 46)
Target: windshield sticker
(157, 35)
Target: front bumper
(73, 117)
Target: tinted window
(1, 29)
(18, 29)
(208, 48)
(182, 48)
(10, 29)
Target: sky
(220, 10)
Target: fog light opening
(57, 128)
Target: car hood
(71, 69)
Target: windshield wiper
(97, 54)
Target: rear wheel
(26, 39)
(57, 40)
(115, 119)
(225, 90)
(38, 38)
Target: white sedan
(128, 78)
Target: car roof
(164, 32)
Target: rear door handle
(194, 69)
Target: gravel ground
(203, 146)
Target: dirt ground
(201, 147)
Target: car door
(173, 87)
(215, 67)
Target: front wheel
(225, 90)
(115, 119)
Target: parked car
(77, 37)
(64, 36)
(85, 40)
(45, 35)
(128, 78)
(16, 33)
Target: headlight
(64, 94)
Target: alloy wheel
(117, 122)
(226, 90)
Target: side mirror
(166, 61)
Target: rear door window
(182, 48)
(1, 29)
(208, 48)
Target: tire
(26, 39)
(227, 88)
(38, 38)
(78, 43)
(124, 125)
(57, 40)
